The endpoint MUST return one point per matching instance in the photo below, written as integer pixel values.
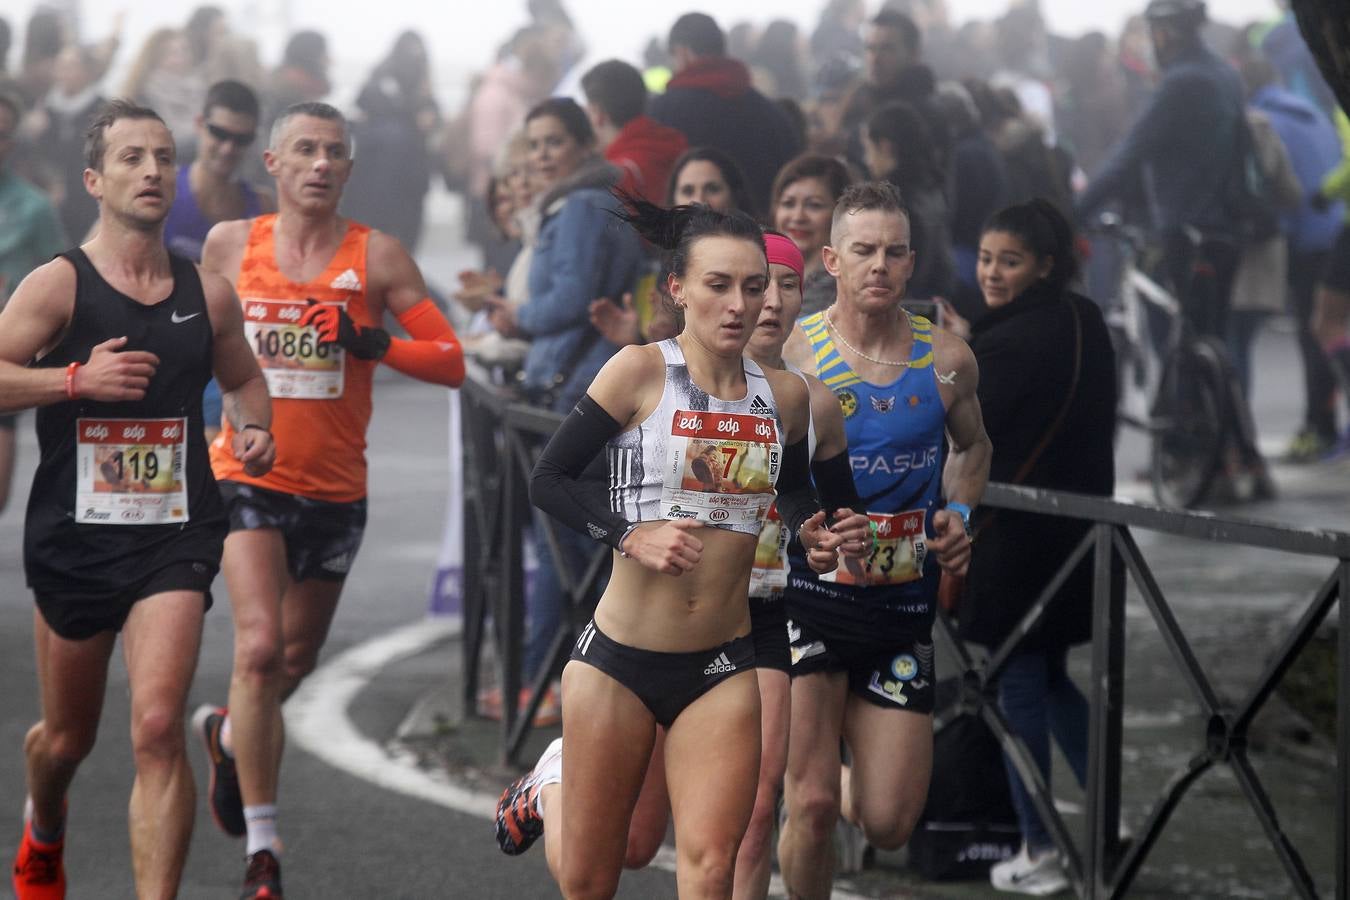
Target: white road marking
(317, 722)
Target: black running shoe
(262, 879)
(519, 824)
(227, 805)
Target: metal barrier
(502, 440)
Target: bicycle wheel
(1189, 428)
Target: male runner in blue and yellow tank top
(862, 653)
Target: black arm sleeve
(557, 486)
(834, 484)
(796, 499)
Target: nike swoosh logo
(179, 320)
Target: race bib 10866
(131, 471)
(720, 467)
(293, 361)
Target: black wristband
(834, 484)
(796, 500)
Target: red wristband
(70, 380)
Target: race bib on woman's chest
(720, 467)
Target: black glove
(336, 327)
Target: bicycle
(1179, 391)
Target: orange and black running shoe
(262, 879)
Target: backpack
(968, 823)
(1249, 194)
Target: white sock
(548, 771)
(226, 737)
(262, 829)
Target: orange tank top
(321, 396)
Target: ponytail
(674, 230)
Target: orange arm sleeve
(434, 353)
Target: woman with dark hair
(670, 644)
(778, 54)
(802, 206)
(898, 148)
(707, 175)
(1048, 392)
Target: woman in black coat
(1048, 394)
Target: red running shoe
(38, 873)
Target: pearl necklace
(872, 359)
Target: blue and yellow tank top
(895, 437)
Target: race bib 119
(130, 471)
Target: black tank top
(118, 482)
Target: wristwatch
(964, 512)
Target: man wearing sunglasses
(210, 190)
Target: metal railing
(502, 440)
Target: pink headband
(783, 252)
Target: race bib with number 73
(898, 552)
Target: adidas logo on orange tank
(720, 666)
(347, 281)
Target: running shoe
(1308, 446)
(1039, 876)
(519, 823)
(38, 872)
(227, 804)
(262, 879)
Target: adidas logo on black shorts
(720, 666)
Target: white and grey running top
(699, 457)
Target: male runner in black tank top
(113, 343)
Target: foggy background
(463, 36)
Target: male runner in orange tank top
(314, 288)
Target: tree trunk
(1325, 25)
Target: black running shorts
(768, 629)
(321, 538)
(1336, 276)
(666, 683)
(79, 616)
(894, 672)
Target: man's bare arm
(224, 248)
(243, 388)
(967, 469)
(33, 322)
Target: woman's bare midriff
(694, 611)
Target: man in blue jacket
(1314, 149)
(710, 100)
(1181, 151)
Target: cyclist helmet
(1186, 13)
